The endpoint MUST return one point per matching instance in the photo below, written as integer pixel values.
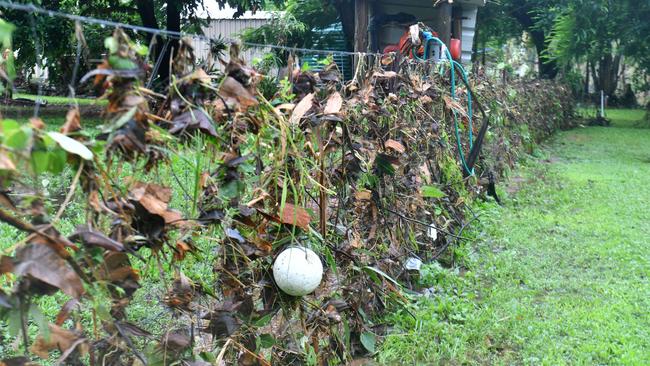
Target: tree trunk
(147, 16)
(587, 80)
(606, 75)
(345, 10)
(522, 12)
(174, 8)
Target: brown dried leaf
(6, 201)
(176, 341)
(285, 107)
(235, 93)
(6, 264)
(6, 163)
(363, 195)
(395, 145)
(65, 311)
(154, 199)
(59, 339)
(72, 122)
(295, 215)
(302, 108)
(454, 106)
(17, 361)
(202, 76)
(90, 236)
(43, 263)
(334, 104)
(384, 74)
(182, 248)
(37, 123)
(194, 119)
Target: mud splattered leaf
(363, 195)
(295, 215)
(302, 108)
(43, 263)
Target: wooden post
(360, 25)
(443, 21)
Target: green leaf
(266, 340)
(369, 341)
(121, 63)
(40, 320)
(266, 319)
(40, 161)
(71, 145)
(111, 44)
(207, 356)
(432, 192)
(383, 165)
(381, 273)
(18, 139)
(141, 49)
(123, 119)
(9, 126)
(57, 159)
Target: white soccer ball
(297, 271)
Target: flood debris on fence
(364, 173)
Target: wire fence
(30, 8)
(312, 57)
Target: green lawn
(58, 100)
(559, 274)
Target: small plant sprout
(297, 271)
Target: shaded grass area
(559, 274)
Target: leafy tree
(57, 53)
(601, 33)
(297, 26)
(502, 20)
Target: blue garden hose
(453, 65)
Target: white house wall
(468, 32)
(228, 29)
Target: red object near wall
(455, 49)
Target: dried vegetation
(365, 172)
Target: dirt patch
(515, 184)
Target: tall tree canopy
(601, 33)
